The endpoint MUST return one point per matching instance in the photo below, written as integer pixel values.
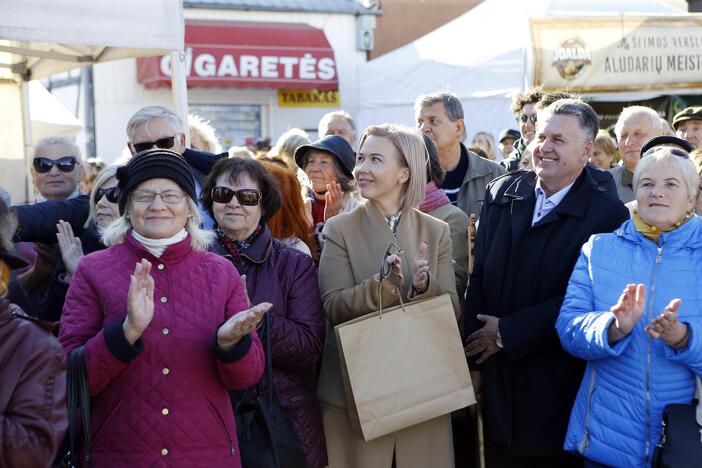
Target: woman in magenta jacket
(166, 328)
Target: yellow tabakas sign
(308, 98)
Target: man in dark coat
(532, 227)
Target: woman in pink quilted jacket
(166, 326)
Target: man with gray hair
(338, 123)
(635, 126)
(440, 117)
(532, 226)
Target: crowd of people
(190, 282)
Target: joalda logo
(571, 58)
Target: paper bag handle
(380, 299)
(698, 397)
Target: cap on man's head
(667, 140)
(509, 133)
(689, 113)
(334, 145)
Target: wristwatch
(498, 339)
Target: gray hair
(452, 105)
(631, 111)
(663, 157)
(334, 115)
(148, 113)
(52, 141)
(102, 177)
(587, 118)
(200, 238)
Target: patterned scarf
(435, 198)
(235, 247)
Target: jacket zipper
(649, 316)
(585, 441)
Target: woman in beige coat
(391, 173)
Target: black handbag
(681, 435)
(78, 403)
(266, 437)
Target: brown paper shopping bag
(403, 366)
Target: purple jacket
(163, 401)
(287, 279)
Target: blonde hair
(605, 143)
(201, 128)
(663, 157)
(410, 144)
(200, 238)
(102, 177)
(286, 145)
(490, 142)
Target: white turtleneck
(158, 246)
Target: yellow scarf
(4, 277)
(653, 232)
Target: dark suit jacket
(520, 275)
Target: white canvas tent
(42, 37)
(49, 117)
(482, 56)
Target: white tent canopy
(49, 116)
(42, 37)
(481, 56)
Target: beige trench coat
(349, 275)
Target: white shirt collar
(557, 197)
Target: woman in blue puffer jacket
(643, 353)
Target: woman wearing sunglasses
(165, 327)
(380, 251)
(242, 197)
(633, 311)
(56, 170)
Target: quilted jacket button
(164, 299)
(164, 411)
(165, 331)
(166, 371)
(164, 452)
(161, 266)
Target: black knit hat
(154, 164)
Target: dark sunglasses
(64, 164)
(163, 143)
(675, 151)
(531, 118)
(386, 267)
(247, 197)
(112, 194)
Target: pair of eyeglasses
(247, 197)
(531, 118)
(64, 164)
(675, 151)
(163, 143)
(171, 197)
(112, 194)
(386, 267)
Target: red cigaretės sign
(248, 55)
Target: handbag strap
(268, 370)
(78, 400)
(380, 299)
(698, 397)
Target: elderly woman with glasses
(241, 196)
(165, 327)
(391, 173)
(633, 312)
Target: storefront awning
(249, 55)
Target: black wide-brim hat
(13, 261)
(336, 146)
(666, 140)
